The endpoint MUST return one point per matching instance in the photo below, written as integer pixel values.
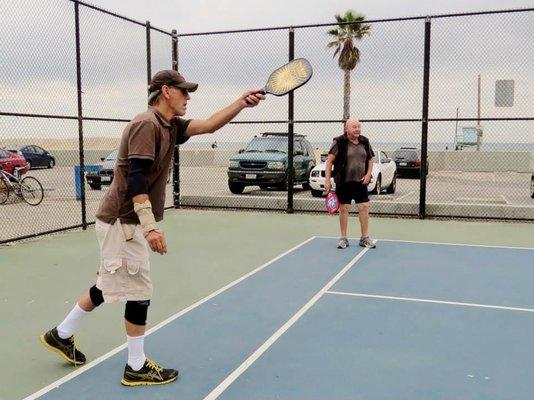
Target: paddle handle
(261, 91)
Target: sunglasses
(185, 92)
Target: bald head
(353, 127)
(352, 121)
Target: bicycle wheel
(4, 191)
(31, 191)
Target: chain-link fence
(70, 85)
(450, 95)
(426, 91)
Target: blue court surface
(404, 321)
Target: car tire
(419, 173)
(532, 187)
(236, 187)
(283, 185)
(378, 186)
(51, 164)
(391, 188)
(316, 193)
(95, 187)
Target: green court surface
(42, 278)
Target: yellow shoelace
(72, 340)
(152, 365)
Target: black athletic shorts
(352, 190)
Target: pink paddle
(331, 202)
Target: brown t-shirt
(147, 136)
(356, 160)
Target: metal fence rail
(73, 91)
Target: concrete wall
(467, 161)
(71, 157)
(473, 161)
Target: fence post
(290, 131)
(424, 126)
(80, 113)
(176, 166)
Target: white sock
(68, 326)
(136, 352)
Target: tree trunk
(346, 95)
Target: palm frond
(337, 51)
(334, 43)
(333, 32)
(351, 27)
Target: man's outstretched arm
(220, 118)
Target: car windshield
(407, 154)
(267, 144)
(112, 155)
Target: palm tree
(351, 28)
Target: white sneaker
(343, 243)
(367, 242)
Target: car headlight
(315, 173)
(276, 165)
(233, 164)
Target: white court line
(439, 243)
(254, 356)
(454, 303)
(100, 359)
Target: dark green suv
(264, 163)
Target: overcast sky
(38, 69)
(212, 15)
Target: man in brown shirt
(352, 157)
(126, 221)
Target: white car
(384, 176)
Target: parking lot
(473, 194)
(443, 186)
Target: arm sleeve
(137, 175)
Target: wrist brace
(146, 217)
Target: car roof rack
(279, 134)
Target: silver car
(104, 176)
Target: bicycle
(28, 189)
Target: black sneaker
(66, 348)
(150, 374)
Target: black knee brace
(136, 312)
(96, 296)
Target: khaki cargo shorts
(124, 272)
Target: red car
(9, 161)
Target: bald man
(352, 157)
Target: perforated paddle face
(289, 77)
